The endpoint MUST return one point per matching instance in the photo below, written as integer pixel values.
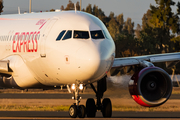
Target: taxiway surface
(50, 115)
(26, 115)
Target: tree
(146, 19)
(137, 31)
(70, 6)
(147, 41)
(89, 9)
(62, 7)
(52, 10)
(176, 41)
(95, 11)
(156, 26)
(77, 6)
(178, 12)
(113, 28)
(111, 15)
(163, 17)
(83, 10)
(126, 46)
(164, 20)
(128, 27)
(120, 20)
(178, 5)
(1, 6)
(101, 13)
(152, 39)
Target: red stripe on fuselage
(5, 19)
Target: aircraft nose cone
(92, 62)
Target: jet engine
(150, 86)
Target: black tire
(73, 111)
(90, 107)
(81, 111)
(106, 108)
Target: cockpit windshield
(81, 34)
(97, 34)
(67, 34)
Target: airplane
(72, 48)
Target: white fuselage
(29, 42)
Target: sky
(133, 9)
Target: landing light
(81, 86)
(73, 87)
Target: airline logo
(25, 42)
(41, 22)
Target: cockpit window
(68, 35)
(60, 35)
(97, 34)
(106, 34)
(81, 34)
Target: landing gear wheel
(90, 107)
(106, 107)
(81, 111)
(73, 111)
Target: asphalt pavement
(64, 115)
(50, 115)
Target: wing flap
(165, 58)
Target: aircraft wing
(170, 59)
(148, 81)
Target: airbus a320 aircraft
(72, 48)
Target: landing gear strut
(105, 106)
(76, 109)
(91, 107)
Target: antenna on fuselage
(19, 12)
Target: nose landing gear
(76, 109)
(91, 108)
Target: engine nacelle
(8, 82)
(150, 87)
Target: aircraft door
(44, 37)
(8, 41)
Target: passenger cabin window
(81, 34)
(68, 35)
(97, 34)
(60, 35)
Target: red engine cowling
(150, 87)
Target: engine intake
(150, 86)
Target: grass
(33, 108)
